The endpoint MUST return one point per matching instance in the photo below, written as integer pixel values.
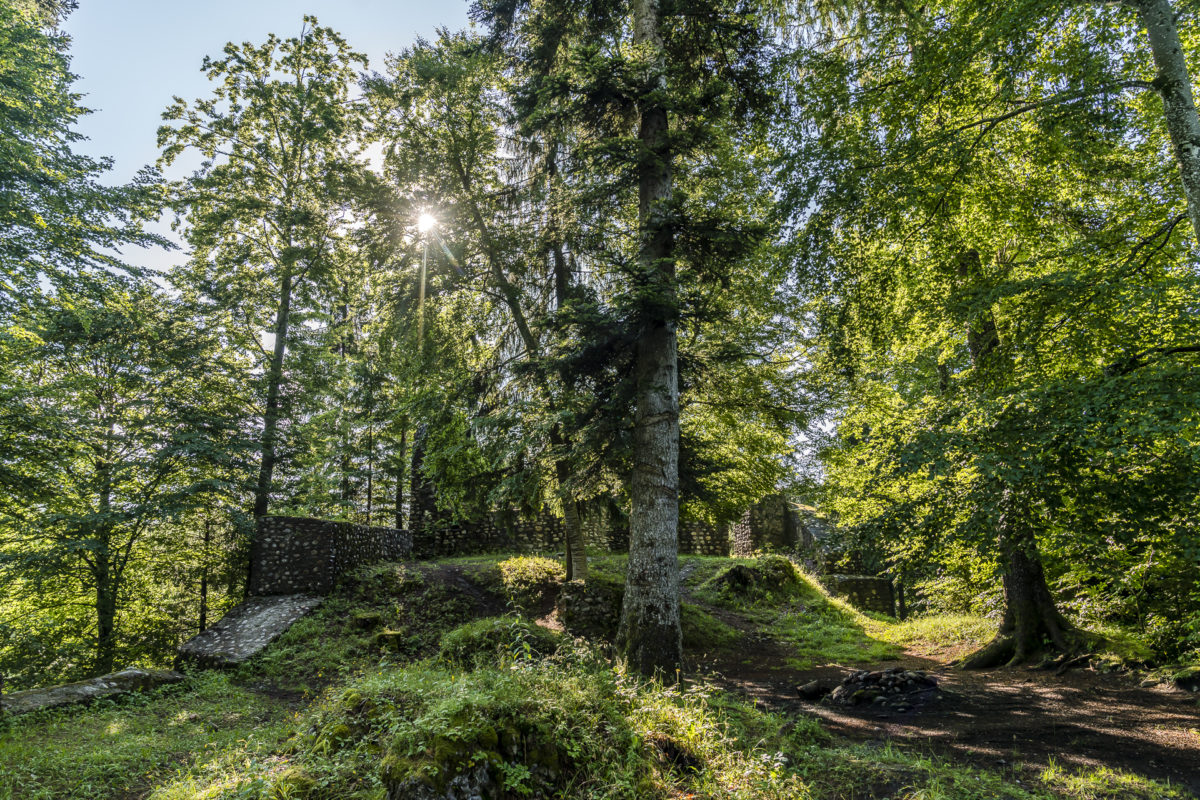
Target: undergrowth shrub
(767, 579)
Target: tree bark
(1175, 86)
(400, 465)
(1032, 622)
(649, 635)
(204, 576)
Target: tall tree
(645, 91)
(127, 403)
(264, 211)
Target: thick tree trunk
(1032, 623)
(649, 635)
(1175, 86)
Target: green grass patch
(703, 631)
(385, 614)
(935, 631)
(123, 747)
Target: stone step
(247, 629)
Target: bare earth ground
(1018, 719)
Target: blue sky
(133, 56)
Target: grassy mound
(391, 612)
(568, 727)
(765, 580)
(496, 637)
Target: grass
(937, 635)
(125, 747)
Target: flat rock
(247, 629)
(67, 694)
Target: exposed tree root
(1032, 626)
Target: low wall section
(296, 555)
(866, 592)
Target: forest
(930, 269)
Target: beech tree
(264, 213)
(999, 286)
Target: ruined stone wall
(865, 592)
(495, 532)
(296, 555)
(703, 539)
(771, 524)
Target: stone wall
(865, 592)
(771, 524)
(296, 555)
(496, 532)
(703, 539)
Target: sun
(426, 223)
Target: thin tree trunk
(262, 493)
(649, 635)
(266, 472)
(204, 576)
(1175, 86)
(400, 465)
(102, 566)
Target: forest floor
(255, 731)
(1020, 721)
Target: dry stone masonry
(247, 629)
(293, 555)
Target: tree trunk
(400, 464)
(106, 621)
(102, 566)
(266, 471)
(262, 493)
(1175, 86)
(204, 576)
(577, 566)
(649, 636)
(1032, 622)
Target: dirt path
(1017, 719)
